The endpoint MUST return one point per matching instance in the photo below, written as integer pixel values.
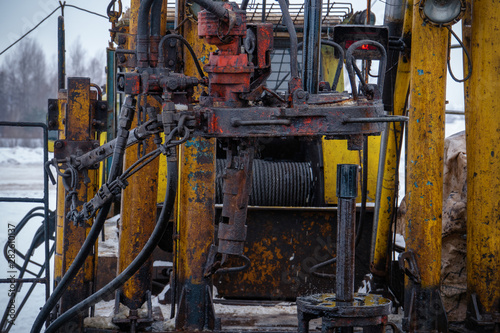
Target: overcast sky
(17, 17)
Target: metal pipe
(483, 163)
(287, 19)
(347, 191)
(195, 227)
(390, 150)
(393, 20)
(312, 45)
(216, 8)
(61, 54)
(244, 5)
(424, 193)
(142, 43)
(155, 18)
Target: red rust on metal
(228, 70)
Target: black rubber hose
(160, 228)
(155, 20)
(143, 17)
(287, 19)
(244, 5)
(216, 8)
(88, 244)
(341, 59)
(161, 58)
(73, 269)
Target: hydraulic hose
(161, 57)
(287, 19)
(156, 236)
(341, 59)
(123, 132)
(143, 16)
(216, 8)
(142, 39)
(156, 18)
(244, 5)
(73, 269)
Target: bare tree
(83, 66)
(25, 88)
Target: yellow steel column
(483, 168)
(388, 195)
(138, 205)
(61, 195)
(196, 211)
(423, 307)
(78, 129)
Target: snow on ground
(21, 175)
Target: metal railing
(9, 316)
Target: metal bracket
(412, 269)
(476, 317)
(53, 114)
(65, 149)
(100, 119)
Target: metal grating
(333, 12)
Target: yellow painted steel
(77, 113)
(138, 206)
(202, 50)
(195, 225)
(335, 152)
(196, 201)
(330, 63)
(424, 192)
(61, 194)
(389, 192)
(483, 159)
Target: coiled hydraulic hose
(95, 230)
(156, 236)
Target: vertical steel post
(138, 206)
(111, 98)
(78, 128)
(389, 167)
(423, 307)
(196, 233)
(347, 191)
(195, 211)
(61, 54)
(483, 170)
(312, 45)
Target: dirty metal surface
(236, 189)
(365, 310)
(283, 244)
(280, 122)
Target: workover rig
(222, 180)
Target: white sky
(17, 17)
